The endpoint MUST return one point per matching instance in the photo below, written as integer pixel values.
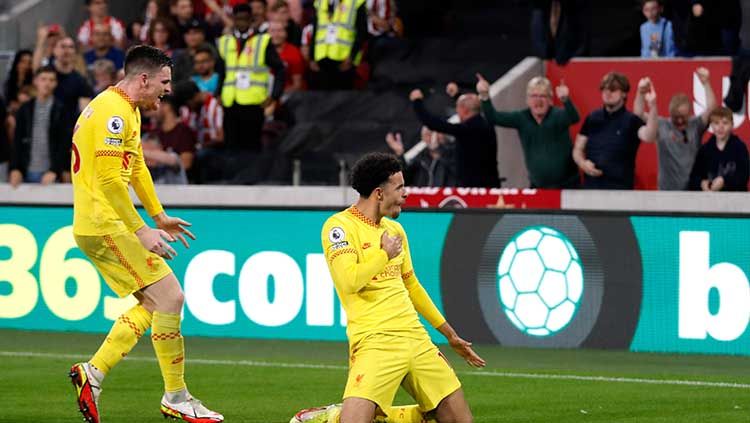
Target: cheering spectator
(657, 38)
(174, 135)
(280, 13)
(427, 164)
(204, 70)
(607, 144)
(289, 54)
(259, 22)
(20, 75)
(184, 58)
(47, 37)
(99, 14)
(245, 92)
(162, 35)
(337, 39)
(679, 136)
(722, 162)
(476, 146)
(183, 15)
(543, 131)
(104, 74)
(39, 147)
(164, 165)
(103, 48)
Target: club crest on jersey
(336, 235)
(115, 124)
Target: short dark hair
(184, 91)
(173, 104)
(205, 48)
(143, 58)
(372, 171)
(242, 7)
(45, 69)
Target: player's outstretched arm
(461, 346)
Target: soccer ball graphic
(540, 281)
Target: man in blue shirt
(607, 144)
(103, 48)
(657, 38)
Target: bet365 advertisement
(643, 283)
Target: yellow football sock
(170, 350)
(123, 336)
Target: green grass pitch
(268, 381)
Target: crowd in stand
(236, 62)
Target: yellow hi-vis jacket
(335, 34)
(247, 76)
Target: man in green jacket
(543, 130)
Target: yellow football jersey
(106, 157)
(378, 294)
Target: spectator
(162, 35)
(133, 33)
(476, 146)
(105, 75)
(427, 164)
(205, 116)
(259, 22)
(289, 54)
(21, 74)
(165, 166)
(339, 32)
(103, 48)
(39, 147)
(154, 9)
(217, 14)
(245, 92)
(543, 130)
(606, 146)
(657, 38)
(47, 37)
(4, 142)
(194, 37)
(722, 162)
(173, 134)
(381, 17)
(183, 15)
(280, 13)
(204, 70)
(98, 14)
(679, 137)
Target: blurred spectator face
(721, 126)
(679, 111)
(194, 37)
(467, 106)
(64, 50)
(204, 63)
(242, 21)
(104, 74)
(259, 12)
(98, 8)
(184, 10)
(102, 37)
(282, 15)
(613, 97)
(277, 32)
(45, 84)
(152, 9)
(161, 34)
(651, 10)
(539, 100)
(24, 64)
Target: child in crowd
(722, 162)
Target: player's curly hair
(143, 58)
(373, 170)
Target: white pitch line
(249, 363)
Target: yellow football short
(126, 266)
(379, 363)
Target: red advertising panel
(669, 76)
(461, 198)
